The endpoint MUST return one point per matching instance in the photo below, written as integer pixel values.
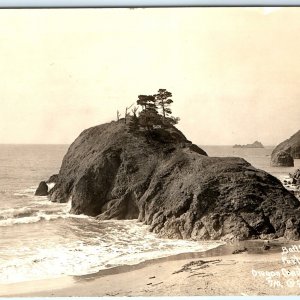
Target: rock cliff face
(291, 146)
(169, 183)
(293, 183)
(282, 159)
(296, 177)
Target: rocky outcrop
(296, 177)
(42, 189)
(53, 178)
(282, 159)
(293, 183)
(291, 146)
(256, 144)
(166, 182)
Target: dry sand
(187, 275)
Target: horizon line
(60, 144)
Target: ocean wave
(31, 219)
(35, 212)
(16, 212)
(25, 193)
(21, 195)
(44, 216)
(84, 255)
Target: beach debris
(200, 274)
(151, 277)
(157, 283)
(237, 251)
(266, 247)
(112, 294)
(196, 265)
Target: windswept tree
(147, 102)
(134, 120)
(118, 115)
(164, 100)
(149, 116)
(126, 112)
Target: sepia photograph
(150, 152)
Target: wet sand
(215, 272)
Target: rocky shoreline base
(251, 271)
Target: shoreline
(115, 281)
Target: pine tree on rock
(134, 121)
(164, 100)
(149, 116)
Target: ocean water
(40, 239)
(258, 157)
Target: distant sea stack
(161, 178)
(290, 146)
(256, 144)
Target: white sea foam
(39, 217)
(51, 185)
(32, 219)
(121, 243)
(35, 211)
(15, 212)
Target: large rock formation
(282, 159)
(165, 181)
(291, 146)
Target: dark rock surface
(166, 182)
(296, 177)
(42, 189)
(291, 145)
(293, 183)
(282, 159)
(53, 178)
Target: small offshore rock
(42, 189)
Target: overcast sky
(234, 72)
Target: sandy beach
(216, 272)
